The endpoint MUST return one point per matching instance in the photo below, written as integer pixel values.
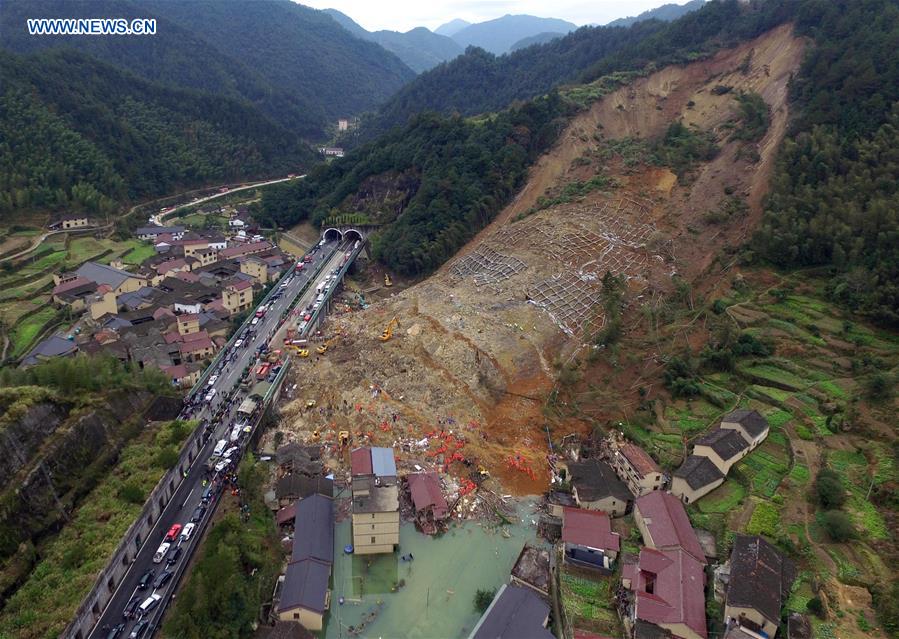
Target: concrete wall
(110, 577)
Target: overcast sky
(402, 15)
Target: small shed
(428, 500)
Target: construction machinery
(387, 280)
(321, 350)
(303, 352)
(343, 438)
(388, 330)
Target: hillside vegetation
(79, 134)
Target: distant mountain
(666, 13)
(498, 36)
(293, 63)
(452, 27)
(419, 48)
(540, 38)
(79, 134)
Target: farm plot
(766, 466)
(588, 603)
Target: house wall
(734, 612)
(681, 489)
(384, 528)
(236, 301)
(80, 222)
(130, 285)
(188, 327)
(104, 305)
(77, 305)
(255, 269)
(610, 505)
(307, 618)
(639, 484)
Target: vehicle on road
(299, 267)
(173, 532)
(285, 283)
(162, 579)
(222, 465)
(149, 603)
(255, 321)
(139, 630)
(210, 395)
(213, 380)
(115, 631)
(307, 259)
(199, 511)
(230, 452)
(307, 317)
(188, 532)
(260, 312)
(161, 551)
(238, 343)
(208, 495)
(220, 447)
(174, 555)
(130, 610)
(145, 580)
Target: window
(372, 540)
(296, 615)
(372, 526)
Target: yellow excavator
(321, 350)
(388, 330)
(387, 280)
(303, 352)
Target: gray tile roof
(596, 480)
(305, 586)
(516, 613)
(760, 576)
(53, 346)
(698, 471)
(314, 530)
(724, 441)
(103, 274)
(751, 420)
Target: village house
(514, 613)
(71, 221)
(430, 505)
(697, 476)
(723, 446)
(256, 268)
(242, 250)
(588, 539)
(531, 570)
(150, 233)
(237, 296)
(749, 423)
(73, 293)
(663, 522)
(331, 151)
(667, 594)
(637, 469)
(118, 280)
(304, 593)
(595, 486)
(101, 303)
(759, 583)
(183, 375)
(376, 506)
(296, 486)
(188, 323)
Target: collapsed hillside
(479, 345)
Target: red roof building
(245, 249)
(664, 524)
(71, 284)
(668, 591)
(589, 528)
(427, 495)
(360, 462)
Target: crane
(388, 330)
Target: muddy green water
(437, 599)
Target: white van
(320, 288)
(149, 603)
(161, 552)
(320, 298)
(235, 432)
(220, 447)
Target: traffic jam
(231, 411)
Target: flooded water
(435, 597)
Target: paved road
(159, 218)
(188, 496)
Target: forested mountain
(478, 81)
(667, 13)
(498, 36)
(835, 199)
(294, 63)
(456, 174)
(418, 48)
(77, 133)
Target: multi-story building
(637, 469)
(376, 505)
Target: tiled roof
(596, 480)
(727, 443)
(515, 613)
(426, 492)
(103, 274)
(678, 593)
(241, 285)
(305, 586)
(360, 461)
(750, 420)
(760, 576)
(71, 284)
(314, 530)
(589, 528)
(669, 527)
(698, 471)
(639, 459)
(245, 249)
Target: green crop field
(24, 333)
(723, 499)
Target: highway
(189, 495)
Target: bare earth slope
(479, 343)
